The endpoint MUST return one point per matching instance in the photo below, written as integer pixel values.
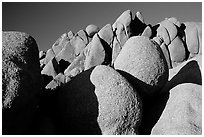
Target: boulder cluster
(126, 78)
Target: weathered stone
(70, 34)
(106, 33)
(96, 53)
(82, 34)
(51, 68)
(116, 49)
(78, 44)
(192, 38)
(121, 34)
(147, 32)
(21, 82)
(170, 27)
(175, 21)
(163, 33)
(125, 18)
(183, 112)
(49, 55)
(145, 61)
(139, 16)
(91, 30)
(119, 103)
(77, 63)
(177, 51)
(67, 53)
(60, 43)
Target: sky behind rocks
(46, 22)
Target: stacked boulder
(127, 78)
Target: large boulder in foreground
(145, 60)
(20, 81)
(183, 112)
(119, 104)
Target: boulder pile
(126, 78)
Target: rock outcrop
(124, 78)
(21, 81)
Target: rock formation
(124, 78)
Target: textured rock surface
(78, 64)
(91, 30)
(67, 53)
(49, 55)
(106, 33)
(82, 34)
(20, 81)
(78, 44)
(183, 112)
(170, 27)
(51, 68)
(175, 21)
(60, 43)
(163, 33)
(121, 35)
(125, 19)
(177, 51)
(141, 72)
(145, 61)
(96, 53)
(193, 33)
(119, 103)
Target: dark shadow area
(154, 30)
(44, 122)
(46, 80)
(63, 65)
(55, 65)
(190, 73)
(181, 34)
(136, 27)
(153, 105)
(78, 107)
(108, 52)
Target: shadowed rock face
(119, 104)
(21, 81)
(78, 106)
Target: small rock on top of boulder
(91, 30)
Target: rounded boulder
(119, 104)
(144, 59)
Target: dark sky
(48, 21)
